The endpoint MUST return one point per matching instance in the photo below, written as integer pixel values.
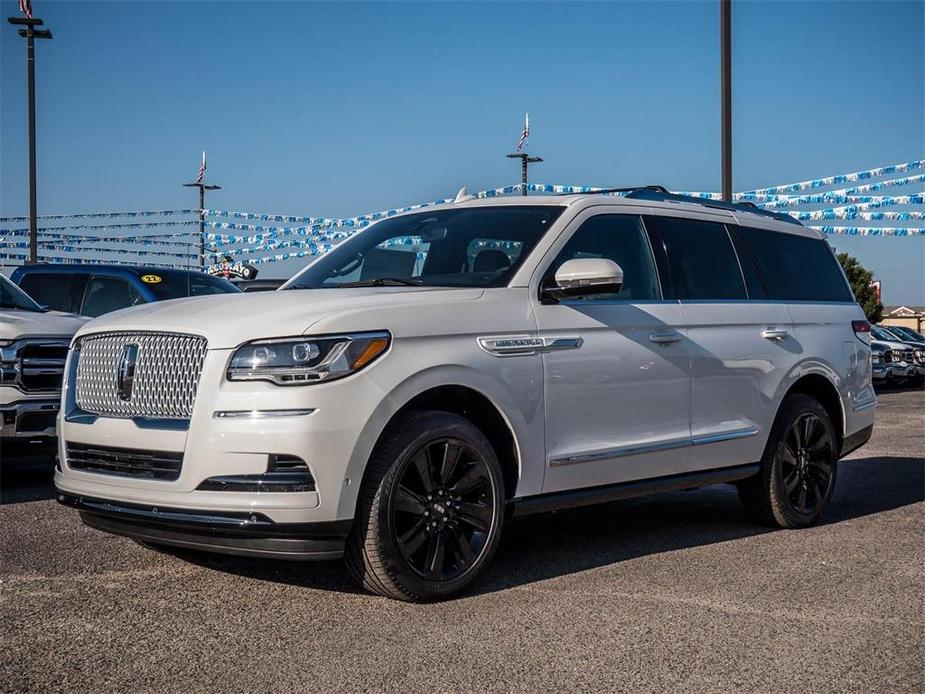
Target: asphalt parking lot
(676, 592)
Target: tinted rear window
(174, 285)
(703, 263)
(796, 268)
(60, 292)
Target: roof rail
(662, 194)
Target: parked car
(902, 368)
(33, 348)
(441, 370)
(92, 290)
(912, 339)
(881, 358)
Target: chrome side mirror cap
(585, 277)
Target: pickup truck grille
(887, 356)
(125, 462)
(167, 367)
(35, 365)
(909, 356)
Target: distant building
(909, 316)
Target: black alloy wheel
(807, 460)
(430, 511)
(799, 466)
(441, 511)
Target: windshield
(467, 247)
(167, 284)
(12, 296)
(908, 332)
(883, 334)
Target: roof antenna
(463, 196)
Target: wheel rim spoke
(801, 502)
(407, 501)
(472, 478)
(822, 468)
(797, 434)
(809, 429)
(477, 515)
(425, 472)
(452, 452)
(412, 540)
(433, 564)
(461, 548)
(790, 482)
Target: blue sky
(338, 109)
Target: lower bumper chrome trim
(242, 533)
(261, 414)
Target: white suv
(444, 369)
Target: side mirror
(585, 277)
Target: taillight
(861, 330)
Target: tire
(416, 539)
(797, 479)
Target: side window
(704, 266)
(753, 280)
(105, 294)
(60, 292)
(622, 239)
(796, 268)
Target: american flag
(202, 169)
(25, 6)
(524, 134)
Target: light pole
(725, 21)
(30, 33)
(525, 161)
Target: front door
(616, 367)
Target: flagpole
(525, 159)
(30, 33)
(203, 187)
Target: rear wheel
(431, 509)
(798, 467)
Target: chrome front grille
(34, 365)
(166, 373)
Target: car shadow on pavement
(22, 481)
(541, 547)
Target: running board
(557, 501)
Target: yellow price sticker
(151, 279)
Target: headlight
(920, 355)
(302, 361)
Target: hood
(227, 320)
(16, 323)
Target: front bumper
(241, 533)
(31, 419)
(881, 372)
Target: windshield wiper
(383, 282)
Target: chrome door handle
(664, 338)
(772, 334)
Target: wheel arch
(822, 388)
(459, 390)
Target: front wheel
(431, 509)
(798, 467)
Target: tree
(860, 279)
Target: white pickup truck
(33, 348)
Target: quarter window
(796, 268)
(622, 239)
(703, 264)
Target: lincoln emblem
(125, 376)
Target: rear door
(616, 379)
(741, 344)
